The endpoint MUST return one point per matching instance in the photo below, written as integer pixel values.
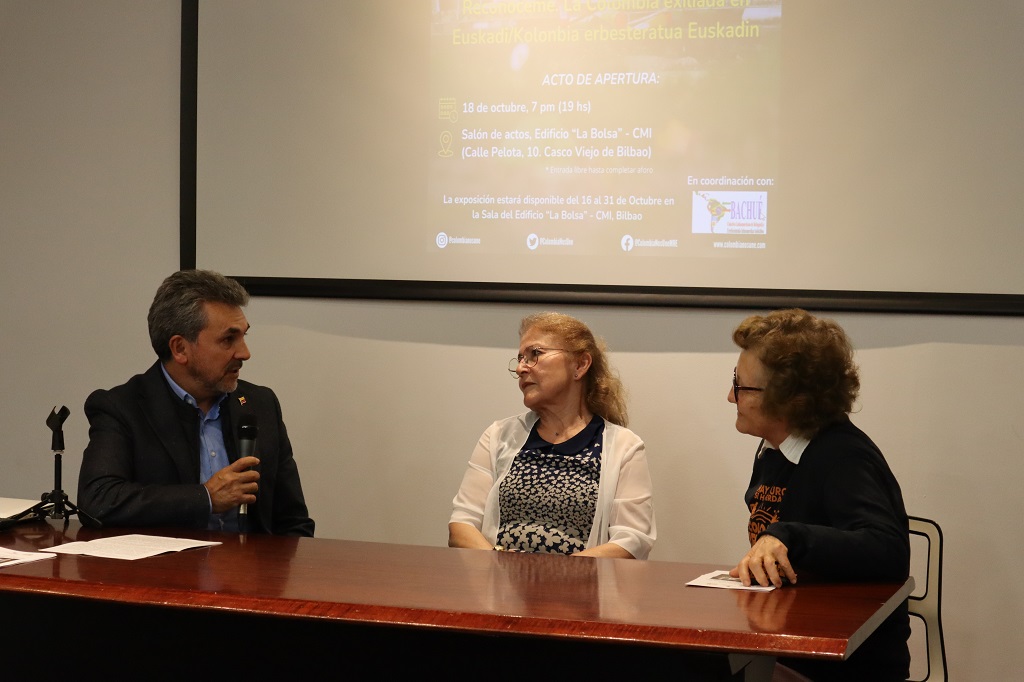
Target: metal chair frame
(928, 606)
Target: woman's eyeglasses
(530, 359)
(736, 388)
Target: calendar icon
(446, 109)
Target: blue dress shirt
(213, 455)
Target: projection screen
(838, 155)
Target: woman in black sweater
(822, 500)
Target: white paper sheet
(724, 580)
(12, 557)
(129, 546)
(9, 506)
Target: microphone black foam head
(247, 428)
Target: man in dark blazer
(164, 448)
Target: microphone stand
(54, 504)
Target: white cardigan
(624, 513)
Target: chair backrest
(928, 605)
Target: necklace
(571, 428)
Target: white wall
(385, 400)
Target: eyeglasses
(736, 388)
(530, 359)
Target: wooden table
(288, 605)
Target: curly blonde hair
(603, 392)
(812, 380)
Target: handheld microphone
(247, 431)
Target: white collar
(793, 447)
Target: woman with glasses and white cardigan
(567, 476)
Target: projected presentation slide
(752, 145)
(640, 129)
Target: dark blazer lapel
(174, 422)
(231, 410)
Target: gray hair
(177, 308)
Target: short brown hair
(812, 380)
(602, 389)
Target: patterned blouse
(549, 496)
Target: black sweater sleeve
(843, 515)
